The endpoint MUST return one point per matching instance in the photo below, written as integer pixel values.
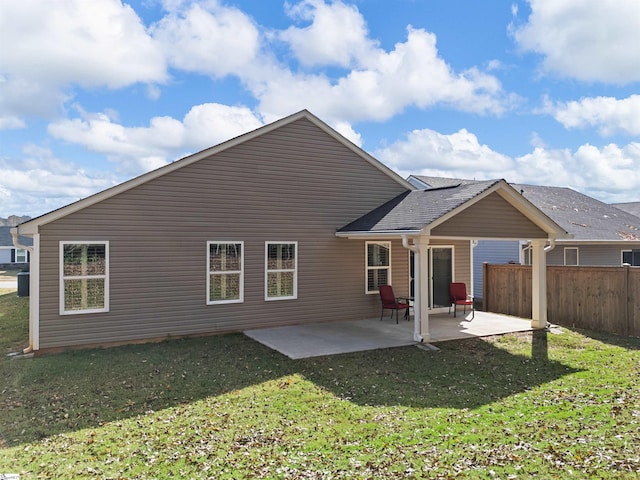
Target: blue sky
(94, 92)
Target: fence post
(627, 301)
(485, 286)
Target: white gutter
(416, 303)
(16, 241)
(33, 297)
(551, 246)
(548, 248)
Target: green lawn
(516, 406)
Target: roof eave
(377, 234)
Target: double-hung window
(378, 265)
(84, 277)
(571, 256)
(281, 270)
(22, 256)
(225, 279)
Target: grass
(515, 406)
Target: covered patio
(333, 338)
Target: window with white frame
(225, 280)
(571, 256)
(631, 257)
(281, 270)
(378, 264)
(84, 277)
(21, 256)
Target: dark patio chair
(458, 296)
(391, 302)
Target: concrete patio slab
(319, 339)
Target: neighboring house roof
(31, 226)
(413, 211)
(7, 241)
(583, 216)
(630, 207)
(424, 181)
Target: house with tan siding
(288, 224)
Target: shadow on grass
(81, 389)
(630, 343)
(463, 374)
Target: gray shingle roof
(413, 210)
(439, 182)
(583, 216)
(630, 207)
(7, 241)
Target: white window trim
(577, 256)
(24, 253)
(209, 273)
(284, 270)
(367, 267)
(622, 252)
(62, 278)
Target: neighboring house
(10, 256)
(630, 207)
(288, 224)
(601, 234)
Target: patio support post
(422, 272)
(539, 285)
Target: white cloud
(609, 115)
(337, 35)
(139, 149)
(386, 83)
(610, 173)
(67, 43)
(459, 155)
(40, 182)
(207, 38)
(590, 40)
(346, 130)
(211, 123)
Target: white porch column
(422, 288)
(539, 285)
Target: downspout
(416, 315)
(551, 246)
(17, 244)
(548, 248)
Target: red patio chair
(391, 302)
(458, 296)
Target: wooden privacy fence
(605, 299)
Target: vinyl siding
(492, 251)
(490, 217)
(591, 255)
(295, 183)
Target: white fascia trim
(613, 243)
